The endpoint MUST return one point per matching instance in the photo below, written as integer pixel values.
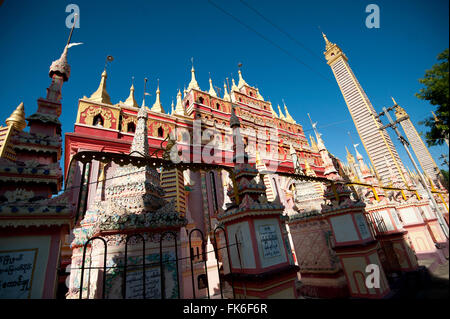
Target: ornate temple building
(222, 197)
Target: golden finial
(157, 107)
(259, 95)
(179, 106)
(101, 95)
(226, 96)
(308, 169)
(350, 157)
(241, 82)
(395, 103)
(131, 101)
(233, 86)
(17, 118)
(328, 44)
(211, 92)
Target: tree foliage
(436, 91)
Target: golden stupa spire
(233, 85)
(308, 169)
(281, 116)
(288, 116)
(179, 106)
(193, 84)
(131, 101)
(101, 95)
(17, 118)
(172, 109)
(241, 82)
(226, 96)
(350, 157)
(328, 44)
(157, 107)
(211, 92)
(259, 95)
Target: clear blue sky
(156, 39)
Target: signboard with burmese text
(16, 273)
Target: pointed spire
(157, 107)
(328, 44)
(172, 110)
(395, 103)
(233, 85)
(308, 170)
(179, 106)
(101, 95)
(259, 95)
(241, 82)
(131, 101)
(358, 155)
(288, 116)
(17, 118)
(350, 157)
(211, 92)
(193, 84)
(226, 96)
(281, 116)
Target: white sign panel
(152, 284)
(16, 273)
(269, 241)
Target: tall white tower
(377, 142)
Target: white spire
(193, 84)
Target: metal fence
(162, 262)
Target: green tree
(445, 174)
(436, 91)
